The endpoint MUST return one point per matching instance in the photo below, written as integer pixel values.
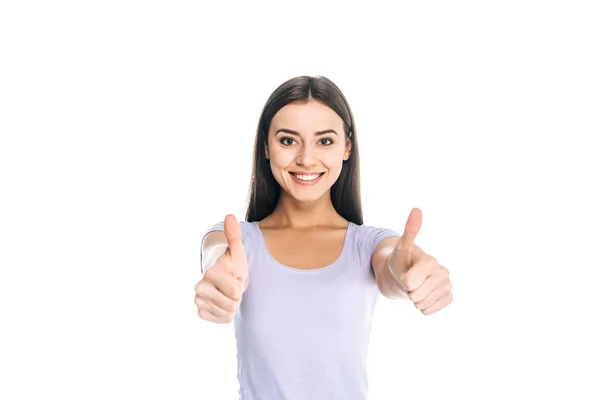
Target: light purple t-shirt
(303, 334)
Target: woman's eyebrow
(291, 132)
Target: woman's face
(307, 138)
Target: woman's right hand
(219, 292)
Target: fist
(428, 285)
(426, 282)
(219, 292)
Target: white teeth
(307, 177)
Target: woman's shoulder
(370, 235)
(365, 227)
(245, 226)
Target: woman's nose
(307, 156)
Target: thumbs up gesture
(426, 282)
(219, 293)
(235, 261)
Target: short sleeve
(220, 226)
(370, 237)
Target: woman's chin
(307, 197)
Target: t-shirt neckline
(298, 270)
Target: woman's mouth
(305, 179)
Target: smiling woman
(311, 158)
(302, 274)
(306, 127)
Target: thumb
(233, 233)
(401, 258)
(411, 230)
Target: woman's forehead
(306, 118)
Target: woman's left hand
(426, 282)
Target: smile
(306, 180)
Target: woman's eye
(285, 142)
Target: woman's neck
(293, 214)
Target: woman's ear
(266, 153)
(348, 150)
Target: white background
(127, 131)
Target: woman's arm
(388, 286)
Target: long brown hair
(264, 189)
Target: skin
(410, 271)
(306, 207)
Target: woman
(317, 271)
